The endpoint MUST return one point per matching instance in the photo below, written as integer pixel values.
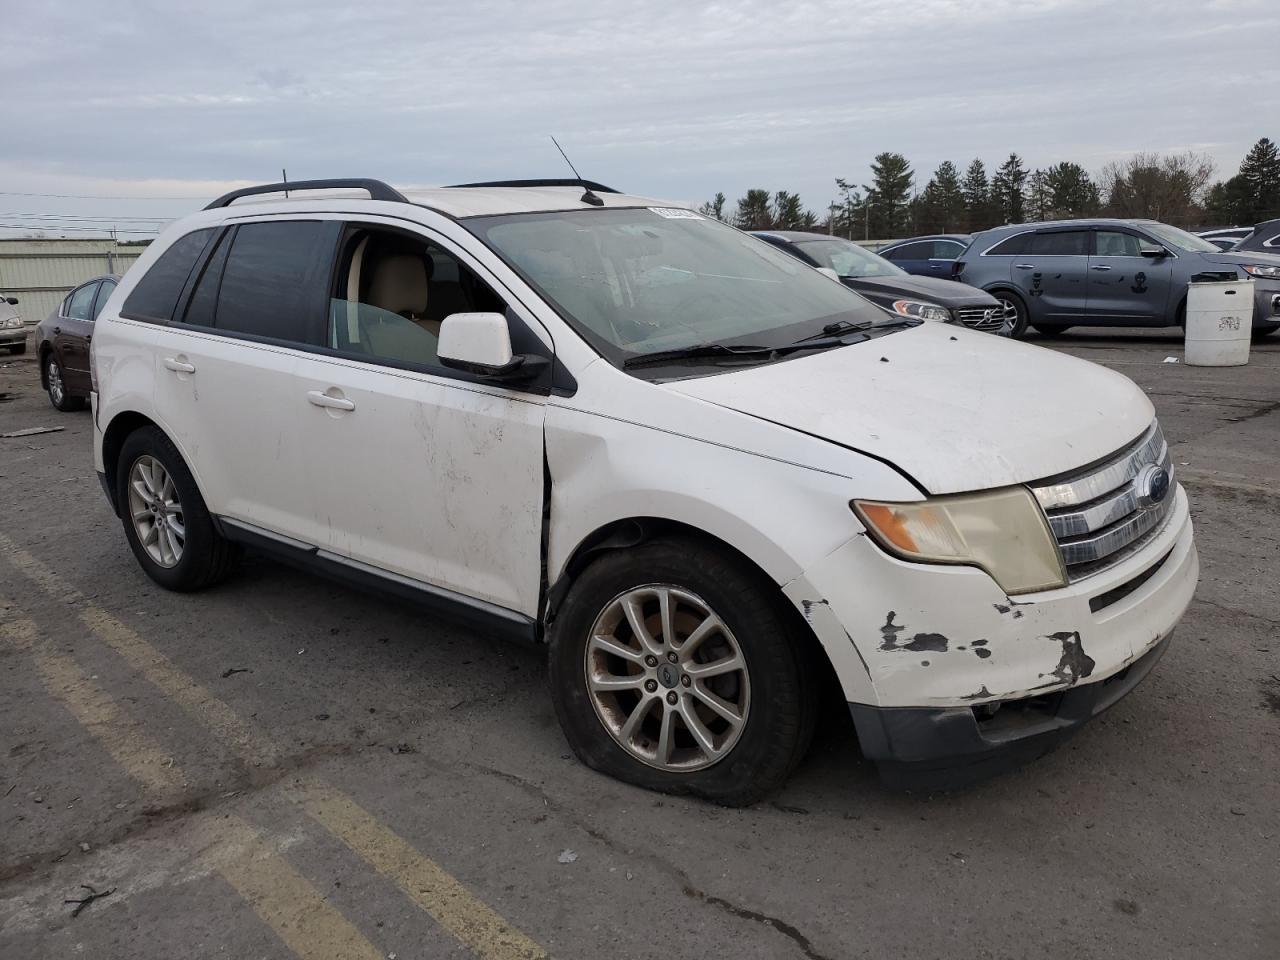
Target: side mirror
(480, 343)
(828, 272)
(1152, 250)
(12, 301)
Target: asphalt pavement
(283, 767)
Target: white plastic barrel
(1219, 323)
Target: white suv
(705, 475)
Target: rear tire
(56, 387)
(1015, 311)
(639, 734)
(165, 519)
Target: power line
(86, 196)
(57, 228)
(74, 217)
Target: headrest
(399, 284)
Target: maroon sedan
(62, 343)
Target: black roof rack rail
(377, 190)
(561, 182)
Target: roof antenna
(284, 178)
(587, 195)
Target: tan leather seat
(400, 285)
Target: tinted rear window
(1011, 247)
(157, 292)
(275, 280)
(1069, 243)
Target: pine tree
(788, 212)
(754, 212)
(715, 208)
(976, 192)
(1260, 171)
(1071, 192)
(1007, 188)
(1038, 197)
(889, 195)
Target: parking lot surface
(281, 766)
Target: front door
(1052, 273)
(421, 471)
(1125, 286)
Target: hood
(955, 409)
(945, 293)
(7, 310)
(1234, 257)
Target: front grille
(1098, 515)
(980, 318)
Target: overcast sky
(658, 97)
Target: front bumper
(11, 336)
(1266, 304)
(939, 749)
(910, 641)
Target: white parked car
(698, 470)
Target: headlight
(13, 322)
(1261, 270)
(1002, 531)
(921, 310)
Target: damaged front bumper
(949, 679)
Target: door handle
(178, 366)
(320, 399)
(1100, 266)
(1025, 266)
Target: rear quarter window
(1010, 246)
(157, 293)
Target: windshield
(640, 281)
(1180, 239)
(848, 259)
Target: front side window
(156, 294)
(1109, 243)
(80, 303)
(848, 259)
(1063, 243)
(641, 281)
(921, 250)
(393, 291)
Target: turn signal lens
(1002, 531)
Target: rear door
(71, 334)
(1125, 286)
(915, 258)
(1051, 273)
(228, 381)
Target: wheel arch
(118, 430)
(626, 532)
(44, 349)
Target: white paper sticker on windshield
(675, 213)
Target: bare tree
(1168, 187)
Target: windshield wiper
(836, 329)
(697, 352)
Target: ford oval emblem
(1151, 486)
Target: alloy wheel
(667, 678)
(53, 374)
(156, 511)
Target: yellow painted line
(130, 746)
(454, 907)
(449, 902)
(300, 916)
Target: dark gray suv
(1125, 273)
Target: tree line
(1176, 188)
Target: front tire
(675, 666)
(1045, 331)
(56, 386)
(1015, 312)
(165, 519)
(1260, 332)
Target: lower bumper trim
(926, 748)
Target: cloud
(654, 96)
